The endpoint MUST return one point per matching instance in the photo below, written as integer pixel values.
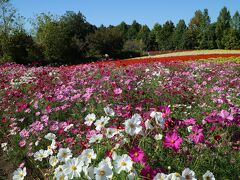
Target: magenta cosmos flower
(172, 140)
(137, 154)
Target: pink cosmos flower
(90, 133)
(22, 143)
(24, 133)
(148, 172)
(197, 135)
(172, 140)
(37, 126)
(118, 91)
(137, 154)
(226, 115)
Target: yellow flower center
(89, 156)
(21, 175)
(131, 125)
(64, 155)
(172, 141)
(177, 175)
(74, 168)
(123, 163)
(187, 177)
(136, 154)
(208, 178)
(61, 178)
(102, 173)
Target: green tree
(105, 41)
(154, 34)
(133, 30)
(235, 21)
(22, 48)
(194, 30)
(223, 24)
(164, 38)
(178, 35)
(144, 36)
(231, 39)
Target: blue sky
(113, 12)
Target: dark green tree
(144, 36)
(156, 31)
(133, 30)
(178, 35)
(164, 38)
(223, 24)
(194, 30)
(105, 41)
(235, 21)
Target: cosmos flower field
(159, 120)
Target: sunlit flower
(109, 111)
(73, 168)
(89, 119)
(101, 123)
(53, 160)
(148, 124)
(19, 174)
(50, 136)
(111, 132)
(123, 163)
(96, 138)
(158, 116)
(175, 176)
(158, 137)
(208, 176)
(160, 176)
(133, 125)
(103, 172)
(87, 155)
(188, 174)
(64, 154)
(41, 154)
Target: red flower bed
(126, 62)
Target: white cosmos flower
(53, 160)
(160, 176)
(132, 175)
(4, 146)
(96, 138)
(39, 155)
(64, 154)
(88, 172)
(123, 163)
(101, 123)
(19, 174)
(188, 174)
(58, 173)
(109, 111)
(158, 116)
(132, 126)
(51, 147)
(189, 128)
(107, 161)
(158, 137)
(68, 127)
(103, 172)
(208, 176)
(50, 136)
(73, 168)
(175, 176)
(148, 124)
(87, 155)
(111, 132)
(89, 119)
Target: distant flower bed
(160, 120)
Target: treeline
(71, 39)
